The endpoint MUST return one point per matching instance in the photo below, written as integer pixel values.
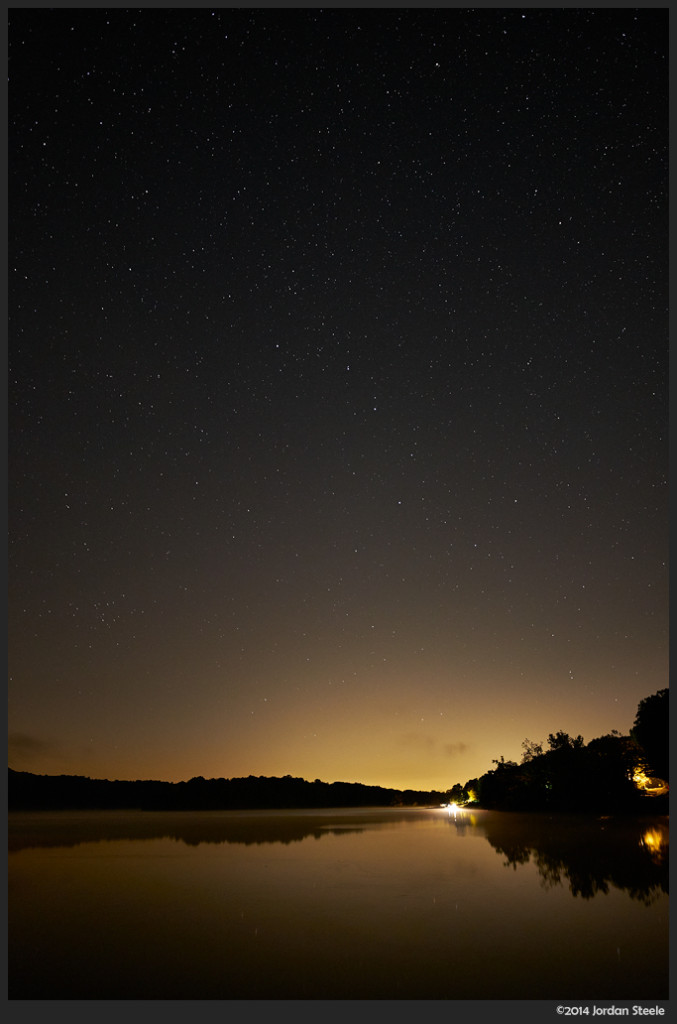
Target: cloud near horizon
(21, 745)
(454, 749)
(423, 741)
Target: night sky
(338, 387)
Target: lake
(337, 904)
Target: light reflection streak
(654, 841)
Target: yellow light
(653, 840)
(650, 784)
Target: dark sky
(338, 387)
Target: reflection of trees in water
(461, 823)
(192, 827)
(259, 835)
(589, 855)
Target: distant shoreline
(30, 792)
(27, 791)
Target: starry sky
(337, 387)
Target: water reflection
(588, 855)
(348, 904)
(71, 828)
(656, 842)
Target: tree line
(76, 792)
(612, 772)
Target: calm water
(348, 904)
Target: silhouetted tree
(531, 750)
(612, 763)
(471, 791)
(651, 731)
(500, 787)
(560, 740)
(502, 764)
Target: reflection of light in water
(461, 814)
(653, 841)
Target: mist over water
(347, 904)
